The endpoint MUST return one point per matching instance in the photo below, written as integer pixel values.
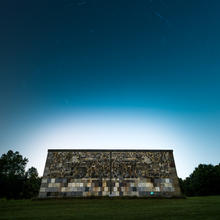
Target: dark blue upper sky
(71, 57)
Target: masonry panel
(82, 173)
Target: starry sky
(140, 74)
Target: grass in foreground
(190, 208)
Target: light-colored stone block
(157, 189)
(149, 184)
(167, 180)
(44, 180)
(42, 189)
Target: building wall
(148, 173)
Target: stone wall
(148, 173)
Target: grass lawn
(190, 208)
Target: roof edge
(110, 150)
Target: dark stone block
(44, 185)
(96, 183)
(64, 194)
(64, 184)
(54, 194)
(162, 180)
(53, 189)
(42, 195)
(86, 189)
(69, 194)
(77, 194)
(143, 193)
(64, 180)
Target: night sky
(142, 74)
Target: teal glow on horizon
(115, 130)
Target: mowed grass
(189, 208)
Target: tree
(32, 173)
(12, 164)
(14, 181)
(204, 180)
(32, 183)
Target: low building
(83, 173)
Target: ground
(189, 208)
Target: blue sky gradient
(103, 74)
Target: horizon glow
(110, 130)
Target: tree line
(204, 181)
(16, 183)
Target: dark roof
(109, 150)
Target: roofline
(109, 150)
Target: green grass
(190, 208)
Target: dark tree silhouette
(205, 180)
(12, 164)
(14, 181)
(32, 183)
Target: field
(189, 208)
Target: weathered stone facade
(142, 173)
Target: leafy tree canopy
(32, 173)
(12, 163)
(15, 183)
(205, 180)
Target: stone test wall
(142, 173)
